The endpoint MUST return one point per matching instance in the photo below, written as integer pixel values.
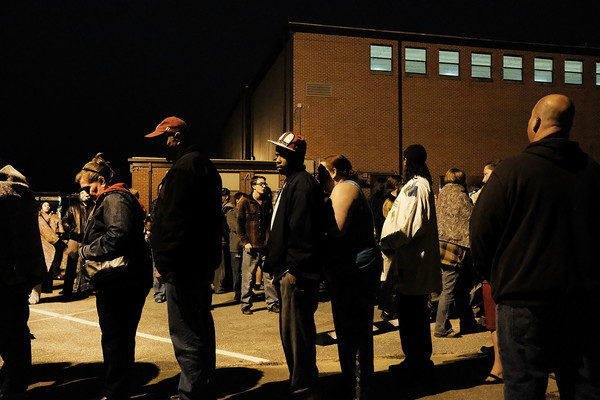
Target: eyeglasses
(263, 184)
(85, 189)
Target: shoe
(413, 371)
(487, 350)
(34, 297)
(160, 299)
(449, 335)
(495, 379)
(247, 311)
(473, 329)
(174, 397)
(275, 309)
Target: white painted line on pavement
(147, 336)
(75, 313)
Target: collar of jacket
(190, 149)
(294, 173)
(559, 150)
(119, 187)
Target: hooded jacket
(186, 231)
(536, 226)
(21, 256)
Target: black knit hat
(415, 154)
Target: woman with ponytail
(116, 256)
(352, 269)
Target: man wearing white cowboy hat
(294, 250)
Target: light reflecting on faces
(95, 188)
(260, 186)
(45, 207)
(486, 174)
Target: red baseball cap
(170, 124)
(291, 141)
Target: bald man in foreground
(535, 235)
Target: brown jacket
(50, 226)
(254, 220)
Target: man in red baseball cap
(186, 244)
(176, 134)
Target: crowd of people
(528, 235)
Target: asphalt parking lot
(250, 362)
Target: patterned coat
(453, 209)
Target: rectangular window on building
(542, 69)
(512, 68)
(381, 58)
(448, 62)
(574, 72)
(481, 65)
(415, 60)
(598, 74)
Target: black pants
(413, 323)
(119, 312)
(352, 303)
(297, 330)
(193, 335)
(15, 343)
(535, 341)
(221, 281)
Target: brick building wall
(464, 122)
(360, 118)
(370, 116)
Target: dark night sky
(95, 75)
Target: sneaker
(34, 297)
(247, 311)
(275, 309)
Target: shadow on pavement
(464, 373)
(228, 381)
(459, 374)
(79, 381)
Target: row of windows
(415, 62)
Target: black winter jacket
(298, 232)
(116, 228)
(186, 231)
(536, 226)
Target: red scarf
(121, 187)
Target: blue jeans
(250, 263)
(535, 341)
(193, 335)
(454, 291)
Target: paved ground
(68, 360)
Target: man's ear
(537, 124)
(178, 136)
(102, 181)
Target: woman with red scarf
(118, 260)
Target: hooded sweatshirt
(536, 225)
(21, 256)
